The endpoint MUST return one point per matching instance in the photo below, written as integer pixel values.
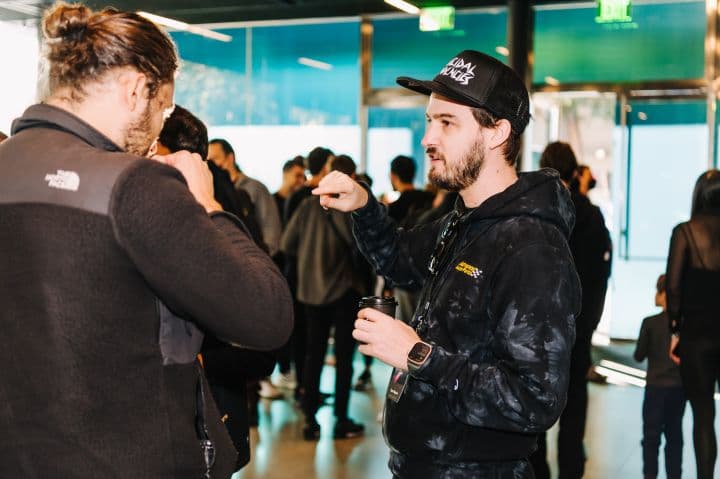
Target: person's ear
(499, 134)
(133, 89)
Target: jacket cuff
(367, 213)
(435, 368)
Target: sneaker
(347, 428)
(268, 391)
(311, 430)
(364, 381)
(287, 380)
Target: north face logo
(63, 180)
(459, 70)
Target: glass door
(588, 122)
(665, 151)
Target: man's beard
(138, 139)
(460, 175)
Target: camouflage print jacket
(500, 313)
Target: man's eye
(445, 123)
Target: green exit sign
(433, 19)
(609, 11)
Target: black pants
(571, 452)
(294, 350)
(663, 409)
(232, 403)
(700, 371)
(341, 314)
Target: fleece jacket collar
(47, 116)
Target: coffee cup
(386, 304)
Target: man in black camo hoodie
(482, 368)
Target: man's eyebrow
(436, 116)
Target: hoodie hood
(538, 194)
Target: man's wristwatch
(418, 355)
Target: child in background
(664, 403)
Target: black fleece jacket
(500, 314)
(92, 240)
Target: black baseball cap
(479, 80)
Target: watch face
(419, 352)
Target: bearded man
(482, 367)
(98, 380)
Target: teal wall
(216, 82)
(401, 49)
(664, 41)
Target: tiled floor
(612, 440)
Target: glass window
(280, 75)
(668, 151)
(275, 92)
(306, 74)
(395, 132)
(19, 51)
(400, 48)
(664, 41)
(212, 82)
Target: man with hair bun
(98, 380)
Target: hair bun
(66, 21)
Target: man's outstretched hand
(340, 192)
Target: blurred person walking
(330, 286)
(664, 402)
(693, 282)
(592, 254)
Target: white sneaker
(286, 381)
(268, 391)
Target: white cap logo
(459, 70)
(63, 180)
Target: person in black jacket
(592, 252)
(483, 366)
(229, 369)
(318, 164)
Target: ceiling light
(185, 27)
(309, 62)
(502, 51)
(404, 6)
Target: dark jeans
(700, 371)
(341, 314)
(571, 452)
(663, 410)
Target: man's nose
(430, 136)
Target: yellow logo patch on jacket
(468, 269)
